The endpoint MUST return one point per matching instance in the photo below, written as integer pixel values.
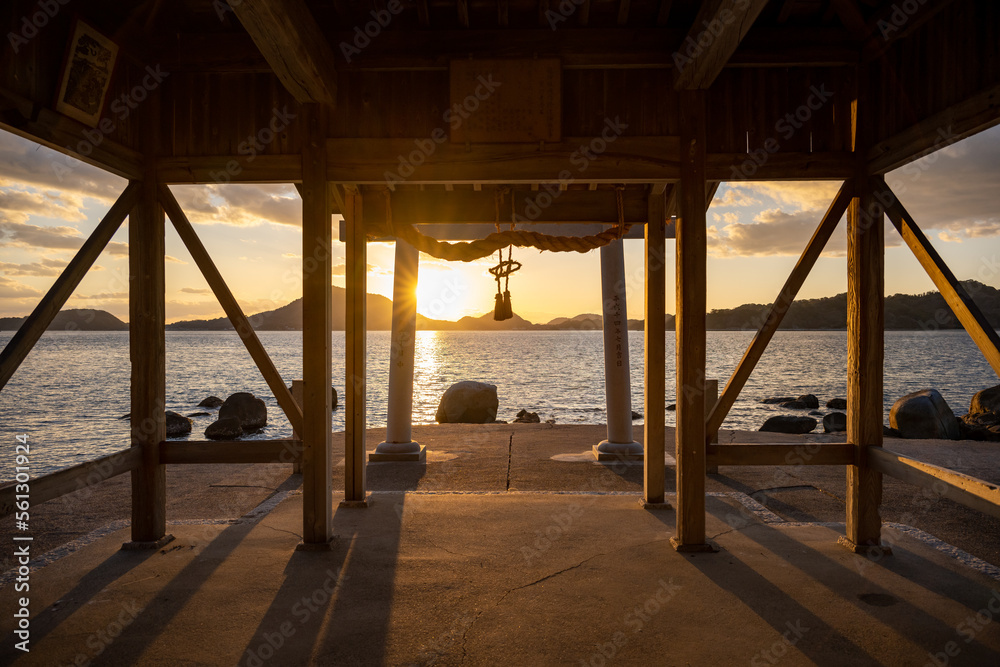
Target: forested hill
(926, 311)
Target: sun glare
(446, 295)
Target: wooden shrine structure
(585, 114)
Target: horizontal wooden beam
(59, 483)
(41, 317)
(961, 303)
(230, 451)
(781, 166)
(724, 23)
(616, 48)
(961, 120)
(290, 40)
(782, 454)
(230, 169)
(474, 231)
(67, 136)
(980, 495)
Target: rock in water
(835, 422)
(525, 417)
(789, 424)
(810, 400)
(795, 405)
(636, 415)
(468, 402)
(211, 402)
(227, 428)
(837, 404)
(247, 409)
(334, 397)
(780, 399)
(672, 407)
(982, 426)
(987, 400)
(177, 425)
(924, 414)
(890, 432)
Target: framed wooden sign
(86, 74)
(505, 101)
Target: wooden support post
(317, 325)
(34, 326)
(711, 399)
(298, 395)
(355, 350)
(961, 303)
(865, 327)
(654, 357)
(778, 309)
(691, 288)
(399, 444)
(147, 349)
(232, 308)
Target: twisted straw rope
(473, 250)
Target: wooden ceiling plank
(716, 33)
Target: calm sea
(69, 393)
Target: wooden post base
(655, 506)
(148, 546)
(708, 547)
(870, 550)
(614, 451)
(351, 504)
(317, 546)
(417, 453)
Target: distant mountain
(73, 319)
(927, 311)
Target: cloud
(24, 162)
(797, 195)
(775, 232)
(12, 289)
(22, 234)
(44, 267)
(196, 290)
(240, 205)
(732, 196)
(954, 189)
(103, 296)
(948, 237)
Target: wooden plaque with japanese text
(505, 101)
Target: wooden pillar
(617, 378)
(691, 288)
(399, 445)
(147, 349)
(655, 356)
(298, 393)
(865, 326)
(355, 350)
(317, 325)
(711, 437)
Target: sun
(449, 294)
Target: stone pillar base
(618, 451)
(144, 546)
(870, 550)
(413, 452)
(707, 548)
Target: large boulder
(837, 404)
(795, 405)
(177, 425)
(789, 424)
(468, 403)
(987, 400)
(924, 414)
(835, 422)
(810, 400)
(983, 426)
(226, 428)
(211, 402)
(247, 409)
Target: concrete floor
(497, 553)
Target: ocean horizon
(72, 390)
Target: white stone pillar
(399, 445)
(617, 388)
